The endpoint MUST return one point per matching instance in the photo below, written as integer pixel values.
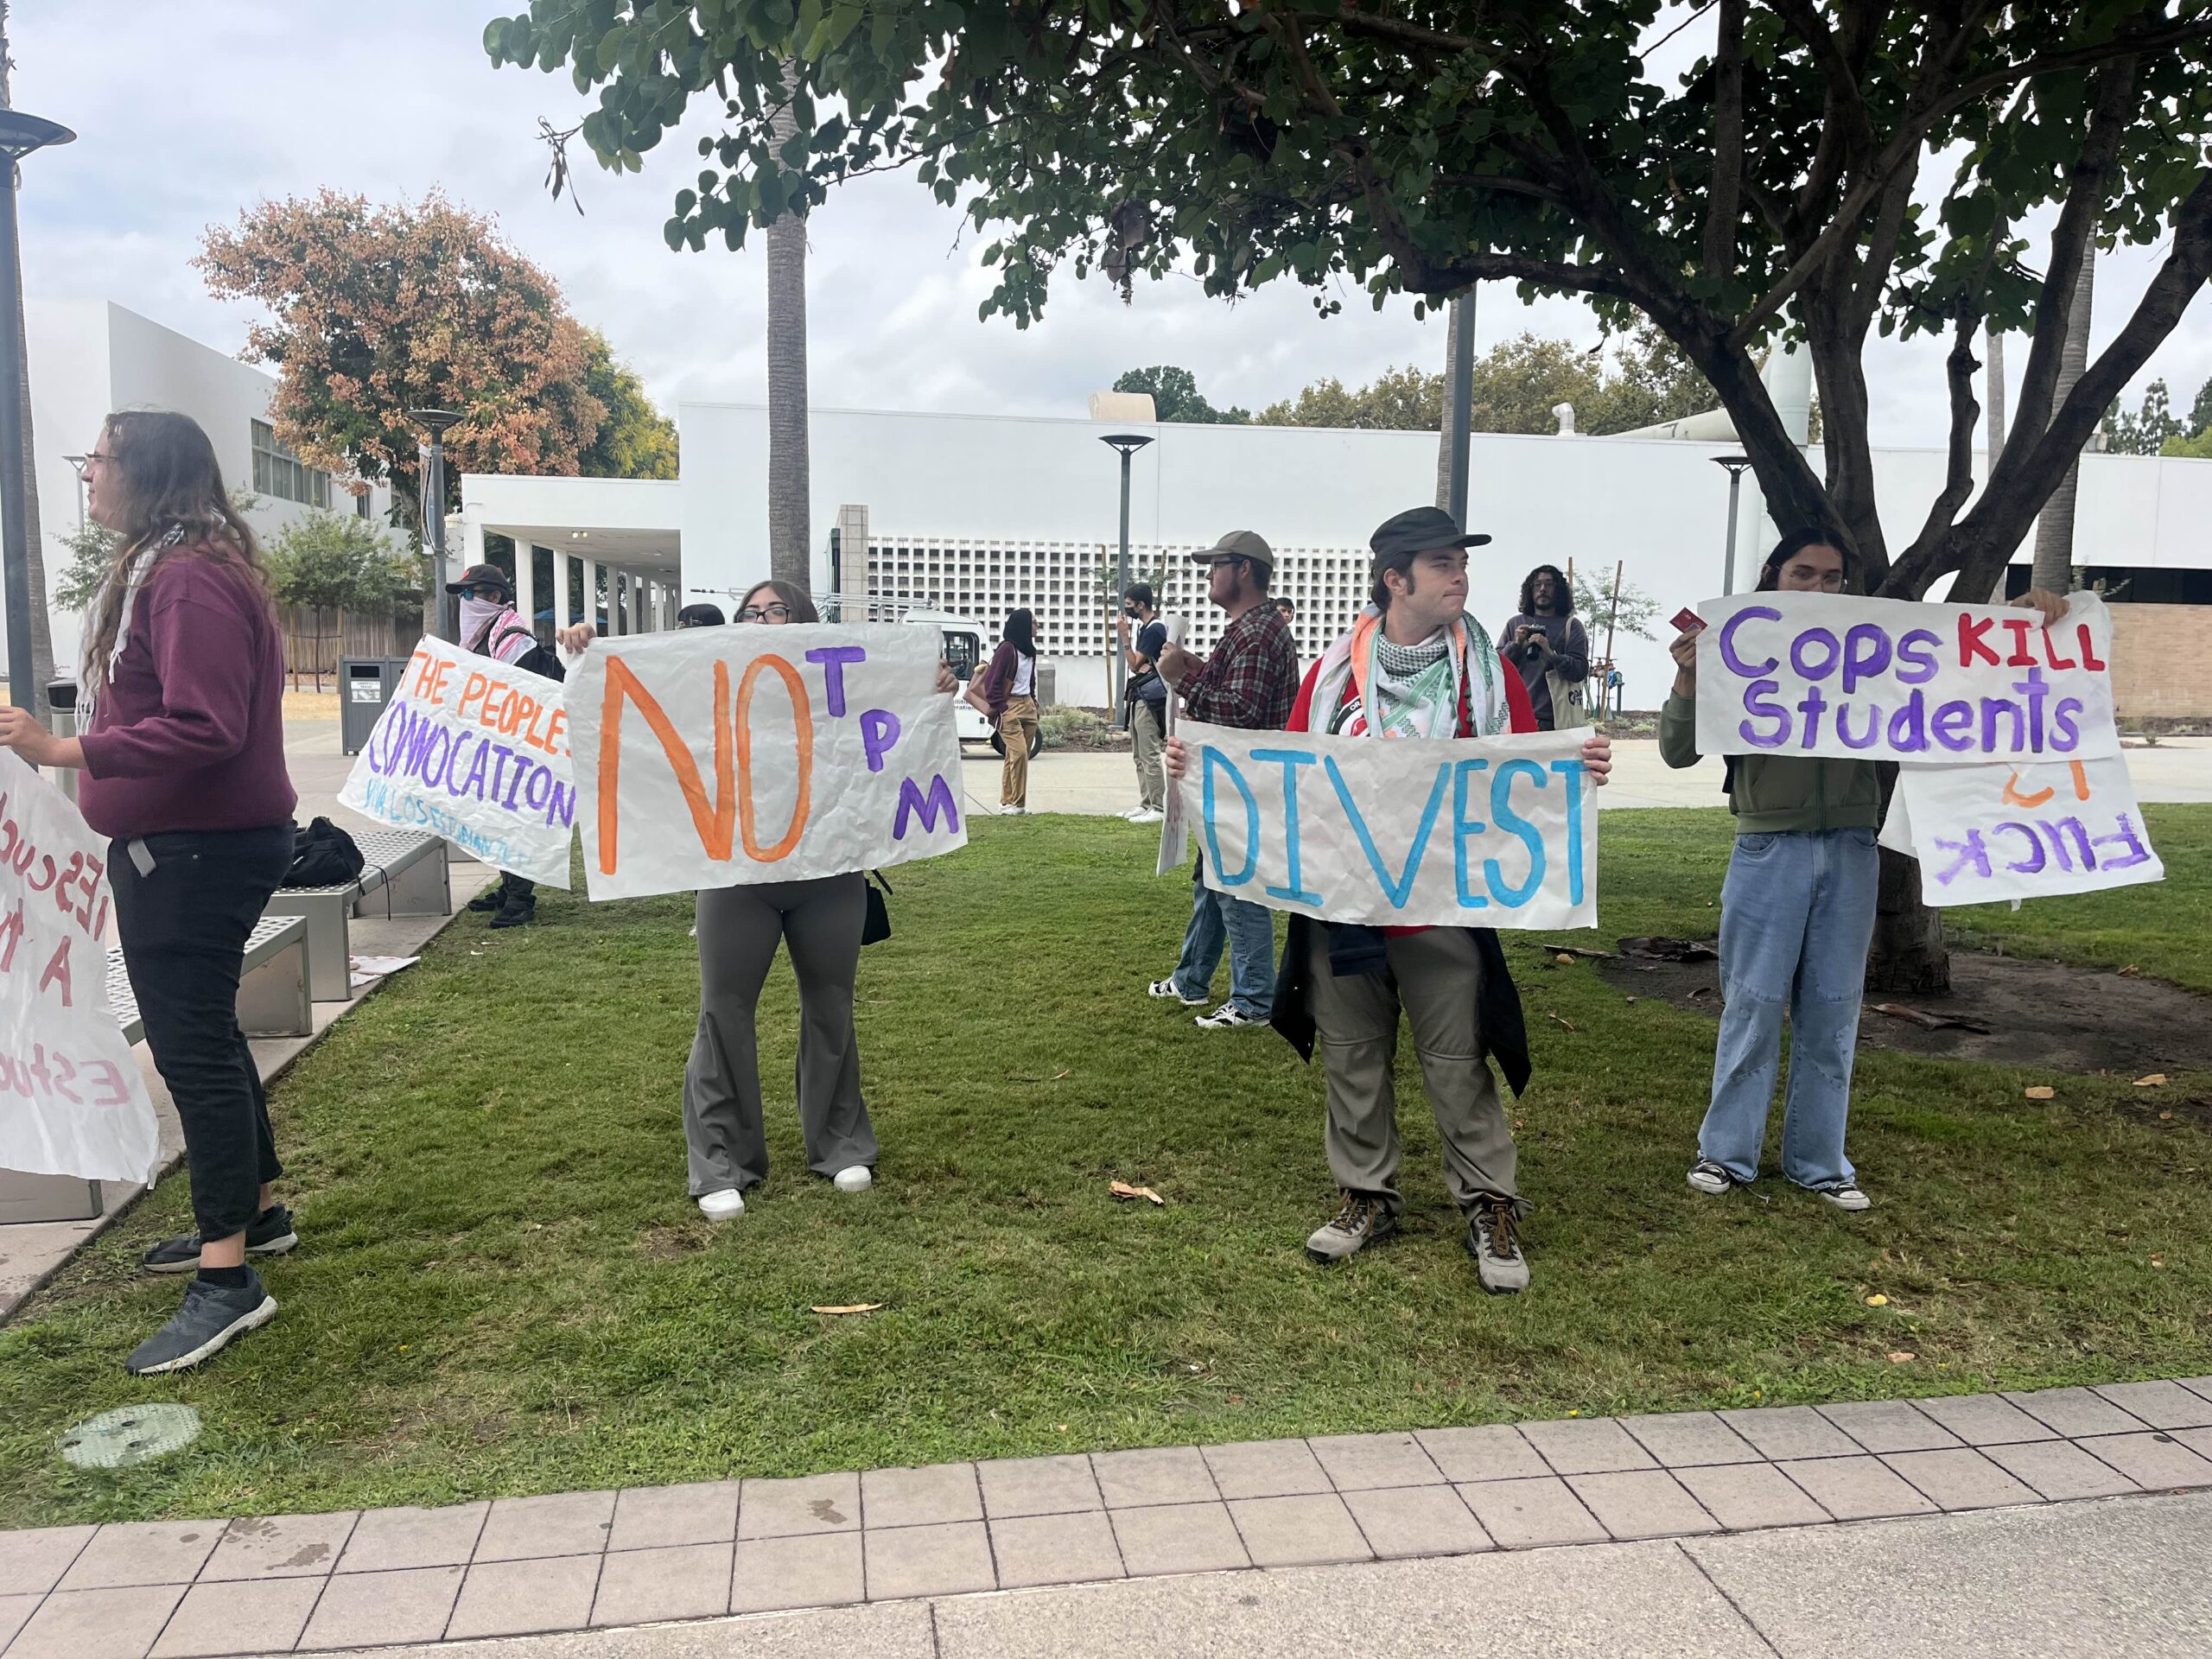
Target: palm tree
(2054, 567)
(790, 553)
(32, 696)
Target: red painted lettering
(57, 972)
(1971, 641)
(2089, 658)
(11, 930)
(2021, 656)
(2050, 653)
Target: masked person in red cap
(1247, 683)
(1416, 665)
(490, 627)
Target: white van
(963, 649)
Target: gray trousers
(738, 930)
(1434, 976)
(1147, 739)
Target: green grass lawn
(504, 1288)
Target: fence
(315, 639)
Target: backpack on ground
(323, 855)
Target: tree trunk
(34, 536)
(790, 553)
(1996, 355)
(2054, 567)
(1452, 441)
(1909, 953)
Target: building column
(591, 592)
(526, 583)
(637, 605)
(561, 615)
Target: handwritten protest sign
(1984, 833)
(72, 1101)
(720, 757)
(1886, 679)
(477, 752)
(1473, 832)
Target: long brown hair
(789, 596)
(164, 477)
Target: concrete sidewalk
(1726, 1532)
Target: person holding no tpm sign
(1796, 917)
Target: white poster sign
(1469, 832)
(72, 1101)
(1887, 679)
(1984, 833)
(477, 752)
(720, 757)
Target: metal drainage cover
(130, 1434)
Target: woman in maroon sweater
(183, 757)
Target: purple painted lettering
(1736, 665)
(879, 731)
(1918, 647)
(833, 659)
(1758, 701)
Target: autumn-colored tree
(376, 310)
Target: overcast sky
(189, 113)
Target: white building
(978, 514)
(88, 357)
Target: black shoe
(211, 1316)
(516, 912)
(269, 1233)
(490, 899)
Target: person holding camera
(1547, 642)
(1144, 636)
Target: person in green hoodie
(1796, 917)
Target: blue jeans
(1248, 928)
(1796, 916)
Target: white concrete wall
(1659, 508)
(88, 357)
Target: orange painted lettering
(714, 823)
(803, 720)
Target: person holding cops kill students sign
(1396, 863)
(1805, 691)
(821, 919)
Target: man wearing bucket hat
(490, 627)
(1247, 683)
(1415, 665)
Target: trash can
(365, 685)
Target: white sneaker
(1845, 1195)
(725, 1205)
(858, 1178)
(1165, 988)
(1227, 1017)
(1014, 811)
(1710, 1178)
(1148, 816)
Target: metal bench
(272, 1002)
(273, 998)
(404, 873)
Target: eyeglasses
(105, 459)
(765, 613)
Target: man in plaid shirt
(1249, 681)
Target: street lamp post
(19, 136)
(434, 511)
(77, 466)
(1735, 464)
(1127, 443)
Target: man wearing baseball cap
(491, 627)
(1247, 683)
(1416, 666)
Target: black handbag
(323, 855)
(877, 926)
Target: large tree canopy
(1788, 180)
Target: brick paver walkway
(576, 1561)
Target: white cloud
(188, 115)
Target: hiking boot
(1494, 1240)
(269, 1233)
(490, 898)
(1845, 1195)
(212, 1315)
(1227, 1017)
(1166, 987)
(1360, 1222)
(516, 912)
(1710, 1178)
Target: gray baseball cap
(1238, 545)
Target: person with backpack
(181, 696)
(490, 626)
(1006, 692)
(1143, 637)
(1545, 642)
